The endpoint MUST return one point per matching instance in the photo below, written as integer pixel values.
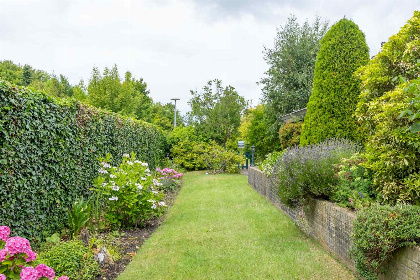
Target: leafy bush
(289, 134)
(387, 109)
(188, 154)
(48, 155)
(218, 159)
(71, 258)
(330, 110)
(354, 187)
(379, 231)
(170, 179)
(129, 192)
(309, 171)
(270, 161)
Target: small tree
(335, 89)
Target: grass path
(220, 228)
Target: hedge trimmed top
(335, 89)
(48, 155)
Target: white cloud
(174, 45)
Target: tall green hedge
(335, 90)
(48, 155)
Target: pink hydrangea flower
(45, 271)
(63, 278)
(3, 254)
(2, 277)
(29, 273)
(31, 256)
(4, 233)
(17, 245)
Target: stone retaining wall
(332, 226)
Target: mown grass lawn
(220, 228)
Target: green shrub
(387, 110)
(270, 161)
(48, 155)
(289, 134)
(71, 258)
(218, 159)
(354, 187)
(308, 171)
(380, 230)
(128, 191)
(330, 110)
(188, 154)
(80, 215)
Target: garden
(83, 184)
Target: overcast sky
(174, 45)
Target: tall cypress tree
(331, 106)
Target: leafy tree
(287, 84)
(26, 75)
(11, 72)
(254, 131)
(330, 111)
(216, 111)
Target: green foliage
(218, 159)
(289, 134)
(354, 187)
(79, 216)
(183, 133)
(48, 155)
(216, 112)
(380, 230)
(270, 161)
(128, 191)
(288, 82)
(388, 112)
(254, 130)
(188, 154)
(308, 171)
(330, 111)
(71, 258)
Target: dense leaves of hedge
(330, 111)
(392, 146)
(379, 231)
(289, 134)
(49, 151)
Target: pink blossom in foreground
(31, 256)
(28, 273)
(3, 254)
(2, 277)
(63, 278)
(17, 245)
(4, 233)
(45, 271)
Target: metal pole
(252, 155)
(175, 99)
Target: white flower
(129, 162)
(126, 155)
(106, 165)
(154, 206)
(144, 164)
(115, 188)
(112, 176)
(155, 192)
(113, 198)
(139, 186)
(156, 182)
(147, 170)
(151, 200)
(161, 203)
(104, 184)
(143, 179)
(137, 161)
(102, 171)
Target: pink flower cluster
(16, 248)
(169, 173)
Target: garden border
(332, 227)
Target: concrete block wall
(332, 227)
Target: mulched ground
(130, 241)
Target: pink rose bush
(17, 259)
(169, 179)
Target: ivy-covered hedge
(49, 153)
(330, 110)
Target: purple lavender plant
(309, 171)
